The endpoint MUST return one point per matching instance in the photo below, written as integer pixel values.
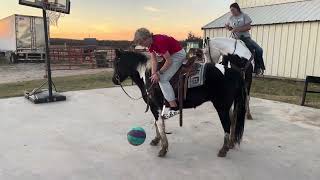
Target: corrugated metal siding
(290, 50)
(252, 3)
(316, 67)
(277, 14)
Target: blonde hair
(141, 33)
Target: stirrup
(168, 113)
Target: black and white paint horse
(222, 87)
(233, 53)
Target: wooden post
(304, 92)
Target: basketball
(136, 136)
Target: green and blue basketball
(136, 136)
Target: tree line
(114, 43)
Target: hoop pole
(46, 35)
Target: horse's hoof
(249, 117)
(162, 153)
(231, 145)
(222, 153)
(155, 142)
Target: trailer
(22, 38)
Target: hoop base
(43, 97)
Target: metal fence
(68, 58)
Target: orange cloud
(114, 30)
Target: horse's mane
(136, 57)
(137, 61)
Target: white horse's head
(214, 53)
(223, 46)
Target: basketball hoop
(53, 17)
(53, 13)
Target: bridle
(234, 49)
(208, 44)
(117, 77)
(147, 95)
(235, 67)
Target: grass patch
(63, 84)
(3, 60)
(288, 91)
(284, 90)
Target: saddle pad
(198, 78)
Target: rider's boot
(169, 112)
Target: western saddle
(179, 81)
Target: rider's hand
(234, 30)
(228, 27)
(155, 78)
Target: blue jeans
(254, 47)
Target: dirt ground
(32, 71)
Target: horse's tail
(240, 110)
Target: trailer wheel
(13, 58)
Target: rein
(235, 67)
(234, 36)
(208, 43)
(136, 99)
(147, 96)
(235, 46)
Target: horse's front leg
(157, 139)
(164, 140)
(155, 113)
(225, 148)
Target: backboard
(62, 6)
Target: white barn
(287, 30)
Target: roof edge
(268, 24)
(266, 5)
(204, 27)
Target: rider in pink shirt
(163, 43)
(174, 55)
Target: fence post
(304, 91)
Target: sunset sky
(118, 19)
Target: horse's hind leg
(225, 121)
(156, 140)
(225, 148)
(164, 141)
(233, 120)
(248, 113)
(248, 89)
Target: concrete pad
(85, 139)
